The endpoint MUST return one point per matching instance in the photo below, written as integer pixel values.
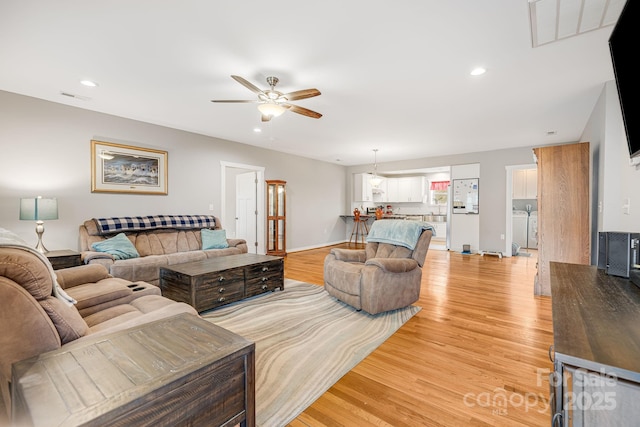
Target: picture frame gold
(119, 168)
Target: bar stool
(360, 227)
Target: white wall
(46, 151)
(614, 180)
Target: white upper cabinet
(525, 184)
(362, 191)
(405, 189)
(380, 194)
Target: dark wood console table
(179, 371)
(596, 335)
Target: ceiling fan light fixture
(271, 109)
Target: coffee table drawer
(264, 277)
(219, 292)
(203, 292)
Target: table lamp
(39, 209)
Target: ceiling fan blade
(302, 110)
(247, 84)
(301, 94)
(234, 100)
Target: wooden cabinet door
(564, 224)
(276, 217)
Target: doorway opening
(242, 204)
(521, 210)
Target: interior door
(246, 209)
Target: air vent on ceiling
(73, 95)
(553, 20)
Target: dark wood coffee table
(214, 282)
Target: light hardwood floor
(475, 355)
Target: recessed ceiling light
(88, 83)
(257, 130)
(478, 71)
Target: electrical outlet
(211, 207)
(502, 237)
(626, 207)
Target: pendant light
(375, 180)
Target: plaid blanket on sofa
(141, 223)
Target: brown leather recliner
(34, 318)
(383, 276)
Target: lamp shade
(271, 109)
(39, 208)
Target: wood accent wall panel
(564, 223)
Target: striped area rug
(306, 341)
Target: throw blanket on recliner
(398, 232)
(153, 222)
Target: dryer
(519, 228)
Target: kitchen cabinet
(441, 229)
(362, 189)
(405, 189)
(380, 194)
(525, 184)
(564, 226)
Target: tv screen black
(623, 45)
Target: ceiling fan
(272, 102)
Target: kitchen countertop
(374, 217)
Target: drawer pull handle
(221, 290)
(265, 287)
(264, 279)
(221, 299)
(265, 268)
(551, 353)
(221, 279)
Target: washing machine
(519, 228)
(533, 230)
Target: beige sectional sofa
(160, 240)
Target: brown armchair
(386, 274)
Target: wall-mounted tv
(623, 45)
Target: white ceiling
(393, 75)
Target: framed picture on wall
(465, 196)
(117, 168)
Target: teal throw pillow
(214, 239)
(119, 246)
